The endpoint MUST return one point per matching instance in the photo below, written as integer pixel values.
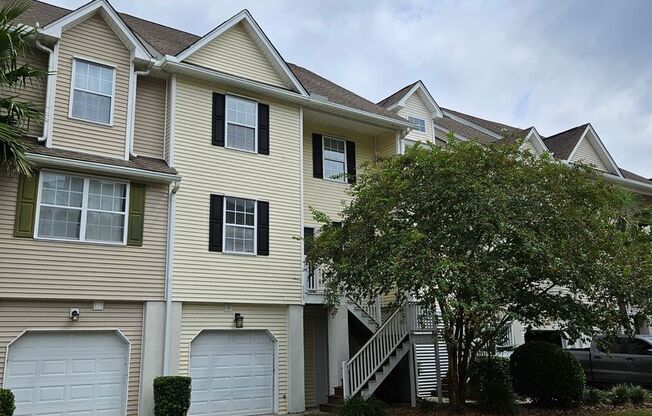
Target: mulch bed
(529, 410)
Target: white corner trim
(55, 29)
(173, 118)
(245, 16)
(68, 164)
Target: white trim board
(419, 87)
(110, 16)
(259, 37)
(600, 149)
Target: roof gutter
(636, 186)
(171, 64)
(102, 168)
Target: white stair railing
(362, 366)
(371, 308)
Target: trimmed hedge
(171, 395)
(547, 374)
(491, 383)
(7, 402)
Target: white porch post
(338, 345)
(296, 382)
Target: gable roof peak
(397, 100)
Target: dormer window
(93, 91)
(421, 123)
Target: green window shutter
(136, 215)
(26, 206)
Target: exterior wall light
(73, 314)
(239, 320)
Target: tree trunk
(457, 379)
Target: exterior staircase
(334, 402)
(367, 369)
(368, 313)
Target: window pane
(334, 149)
(94, 77)
(239, 225)
(104, 226)
(59, 222)
(334, 170)
(107, 196)
(241, 111)
(93, 107)
(62, 190)
(240, 137)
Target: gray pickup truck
(617, 360)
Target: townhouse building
(164, 230)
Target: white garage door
(232, 373)
(68, 373)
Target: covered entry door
(65, 373)
(232, 373)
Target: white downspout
(132, 109)
(169, 253)
(53, 55)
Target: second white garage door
(68, 373)
(232, 373)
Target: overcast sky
(551, 64)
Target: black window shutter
(262, 227)
(215, 223)
(350, 161)
(219, 107)
(263, 129)
(317, 162)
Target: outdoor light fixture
(73, 314)
(239, 320)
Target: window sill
(97, 123)
(239, 253)
(92, 243)
(255, 152)
(335, 181)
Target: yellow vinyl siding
(149, 125)
(586, 153)
(386, 147)
(17, 316)
(196, 317)
(43, 269)
(324, 195)
(93, 40)
(201, 275)
(416, 108)
(33, 92)
(235, 52)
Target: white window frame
(227, 122)
(425, 129)
(343, 178)
(255, 228)
(83, 209)
(76, 59)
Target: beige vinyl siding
(33, 92)
(17, 316)
(202, 275)
(586, 153)
(415, 107)
(386, 147)
(235, 52)
(149, 124)
(41, 269)
(196, 317)
(324, 195)
(92, 40)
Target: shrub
(638, 395)
(171, 395)
(491, 383)
(547, 374)
(593, 396)
(620, 394)
(7, 403)
(359, 406)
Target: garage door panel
(69, 373)
(232, 373)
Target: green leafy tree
(16, 73)
(488, 235)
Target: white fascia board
(245, 16)
(435, 110)
(171, 64)
(475, 126)
(65, 163)
(605, 152)
(635, 186)
(121, 29)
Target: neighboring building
(83, 241)
(177, 175)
